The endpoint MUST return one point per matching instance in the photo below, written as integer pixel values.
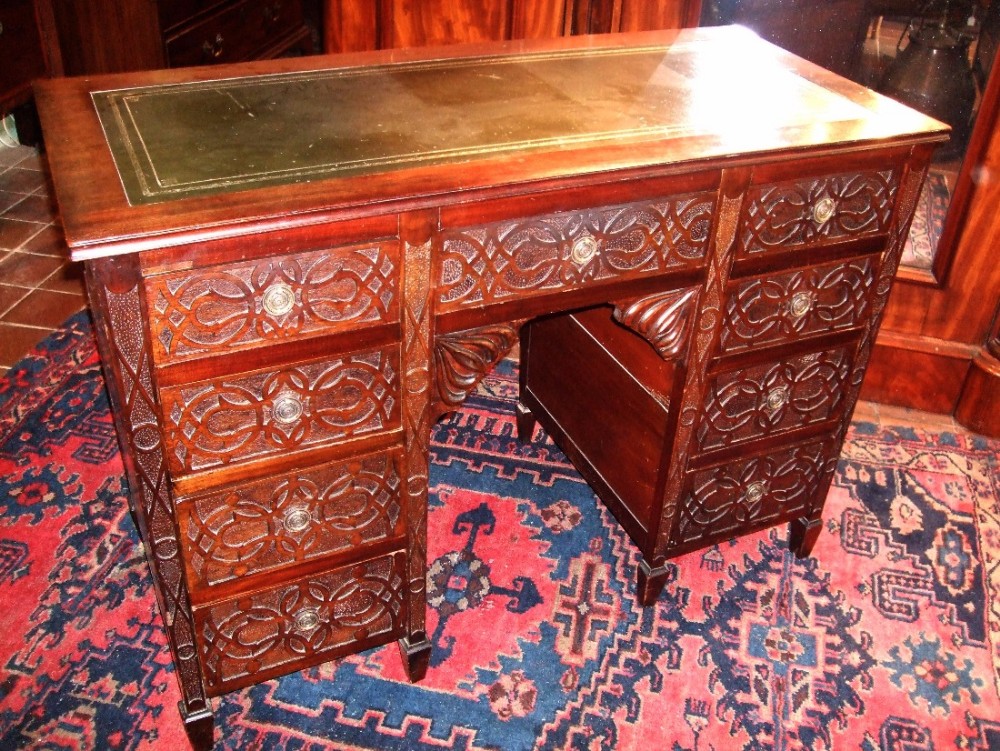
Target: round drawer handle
(824, 210)
(297, 519)
(777, 398)
(584, 248)
(278, 299)
(214, 48)
(287, 409)
(306, 619)
(755, 491)
(800, 304)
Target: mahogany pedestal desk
(296, 266)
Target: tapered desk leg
(802, 535)
(650, 583)
(199, 726)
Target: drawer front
(174, 12)
(266, 525)
(722, 501)
(800, 213)
(234, 33)
(240, 306)
(784, 307)
(284, 628)
(268, 412)
(773, 398)
(502, 261)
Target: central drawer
(264, 413)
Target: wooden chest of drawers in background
(110, 36)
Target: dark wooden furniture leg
(650, 582)
(802, 535)
(199, 726)
(416, 657)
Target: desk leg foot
(802, 535)
(525, 423)
(416, 657)
(650, 583)
(199, 726)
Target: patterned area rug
(888, 638)
(928, 222)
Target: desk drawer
(506, 260)
(234, 33)
(268, 412)
(772, 398)
(277, 630)
(750, 493)
(779, 308)
(261, 526)
(240, 306)
(806, 212)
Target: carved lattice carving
(723, 500)
(464, 357)
(664, 320)
(232, 307)
(503, 260)
(113, 286)
(772, 398)
(288, 518)
(295, 624)
(791, 213)
(269, 412)
(766, 310)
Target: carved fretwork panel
(664, 320)
(241, 305)
(287, 518)
(127, 356)
(514, 259)
(764, 400)
(723, 500)
(783, 307)
(263, 413)
(801, 212)
(462, 358)
(278, 629)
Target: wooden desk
(296, 267)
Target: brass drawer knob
(800, 304)
(278, 299)
(287, 409)
(824, 210)
(755, 491)
(213, 48)
(584, 248)
(776, 398)
(297, 519)
(306, 620)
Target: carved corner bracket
(462, 358)
(664, 319)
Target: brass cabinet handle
(278, 299)
(800, 304)
(584, 248)
(297, 519)
(307, 619)
(287, 409)
(214, 48)
(823, 210)
(755, 491)
(776, 398)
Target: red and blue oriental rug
(887, 638)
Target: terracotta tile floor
(39, 287)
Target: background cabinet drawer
(268, 412)
(497, 262)
(773, 398)
(277, 630)
(798, 213)
(240, 306)
(779, 308)
(743, 495)
(235, 33)
(272, 523)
